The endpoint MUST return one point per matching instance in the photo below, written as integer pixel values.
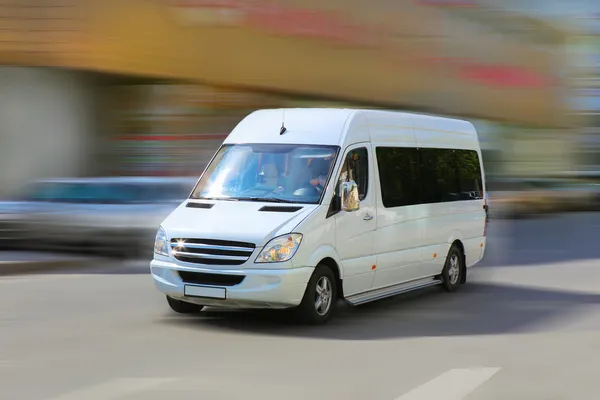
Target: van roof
(325, 126)
(304, 125)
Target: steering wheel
(306, 191)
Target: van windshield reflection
(272, 173)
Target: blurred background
(110, 109)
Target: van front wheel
(453, 270)
(320, 296)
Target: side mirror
(350, 201)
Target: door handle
(368, 217)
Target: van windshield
(268, 172)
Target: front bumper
(261, 288)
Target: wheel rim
(323, 295)
(454, 270)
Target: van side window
(439, 176)
(410, 176)
(356, 168)
(470, 181)
(399, 176)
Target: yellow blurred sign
(275, 18)
(399, 54)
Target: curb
(28, 267)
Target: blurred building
(579, 20)
(556, 10)
(523, 150)
(585, 53)
(153, 86)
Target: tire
(452, 274)
(317, 308)
(181, 307)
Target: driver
(319, 182)
(320, 170)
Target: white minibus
(301, 207)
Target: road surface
(527, 326)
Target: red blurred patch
(493, 74)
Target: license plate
(205, 291)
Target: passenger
(269, 175)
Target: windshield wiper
(264, 199)
(215, 198)
(274, 200)
(256, 199)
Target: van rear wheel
(182, 307)
(452, 274)
(320, 296)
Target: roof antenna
(283, 128)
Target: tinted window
(470, 181)
(399, 176)
(410, 176)
(356, 168)
(439, 178)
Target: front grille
(211, 252)
(201, 278)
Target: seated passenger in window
(269, 177)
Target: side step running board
(389, 291)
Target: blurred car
(117, 216)
(10, 227)
(521, 197)
(14, 222)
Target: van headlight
(280, 249)
(161, 244)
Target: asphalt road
(526, 326)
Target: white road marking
(115, 389)
(455, 384)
